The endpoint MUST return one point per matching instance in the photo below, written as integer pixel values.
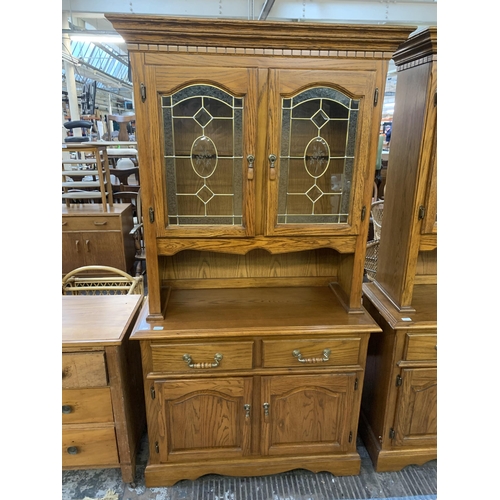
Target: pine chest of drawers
(102, 397)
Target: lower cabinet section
(398, 422)
(241, 403)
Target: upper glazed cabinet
(208, 160)
(257, 136)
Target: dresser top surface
(93, 209)
(97, 320)
(253, 311)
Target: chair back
(101, 280)
(377, 212)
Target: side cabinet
(91, 236)
(399, 408)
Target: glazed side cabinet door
(416, 415)
(204, 149)
(308, 414)
(318, 146)
(204, 418)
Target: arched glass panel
(318, 139)
(203, 135)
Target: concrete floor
(413, 482)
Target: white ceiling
(89, 14)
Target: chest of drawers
(102, 396)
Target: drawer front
(85, 406)
(89, 447)
(297, 353)
(81, 370)
(195, 357)
(421, 346)
(94, 223)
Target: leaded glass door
(317, 151)
(207, 152)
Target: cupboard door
(416, 415)
(204, 179)
(307, 414)
(104, 248)
(72, 251)
(202, 418)
(319, 141)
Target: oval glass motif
(317, 157)
(204, 156)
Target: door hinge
(399, 380)
(363, 213)
(392, 433)
(151, 214)
(375, 97)
(421, 212)
(143, 92)
(350, 437)
(157, 447)
(153, 393)
(356, 385)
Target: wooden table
(103, 417)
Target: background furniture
(123, 121)
(78, 282)
(93, 236)
(256, 200)
(399, 419)
(102, 397)
(83, 160)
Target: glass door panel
(322, 146)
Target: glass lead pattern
(318, 139)
(203, 144)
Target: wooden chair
(134, 197)
(101, 280)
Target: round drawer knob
(67, 409)
(72, 450)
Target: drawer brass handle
(217, 359)
(96, 223)
(64, 223)
(247, 410)
(72, 450)
(67, 409)
(326, 357)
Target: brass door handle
(250, 159)
(247, 408)
(217, 359)
(266, 409)
(298, 355)
(272, 167)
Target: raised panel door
(203, 157)
(318, 142)
(305, 414)
(416, 414)
(204, 418)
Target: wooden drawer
(280, 353)
(84, 406)
(169, 358)
(89, 447)
(81, 370)
(421, 347)
(94, 223)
